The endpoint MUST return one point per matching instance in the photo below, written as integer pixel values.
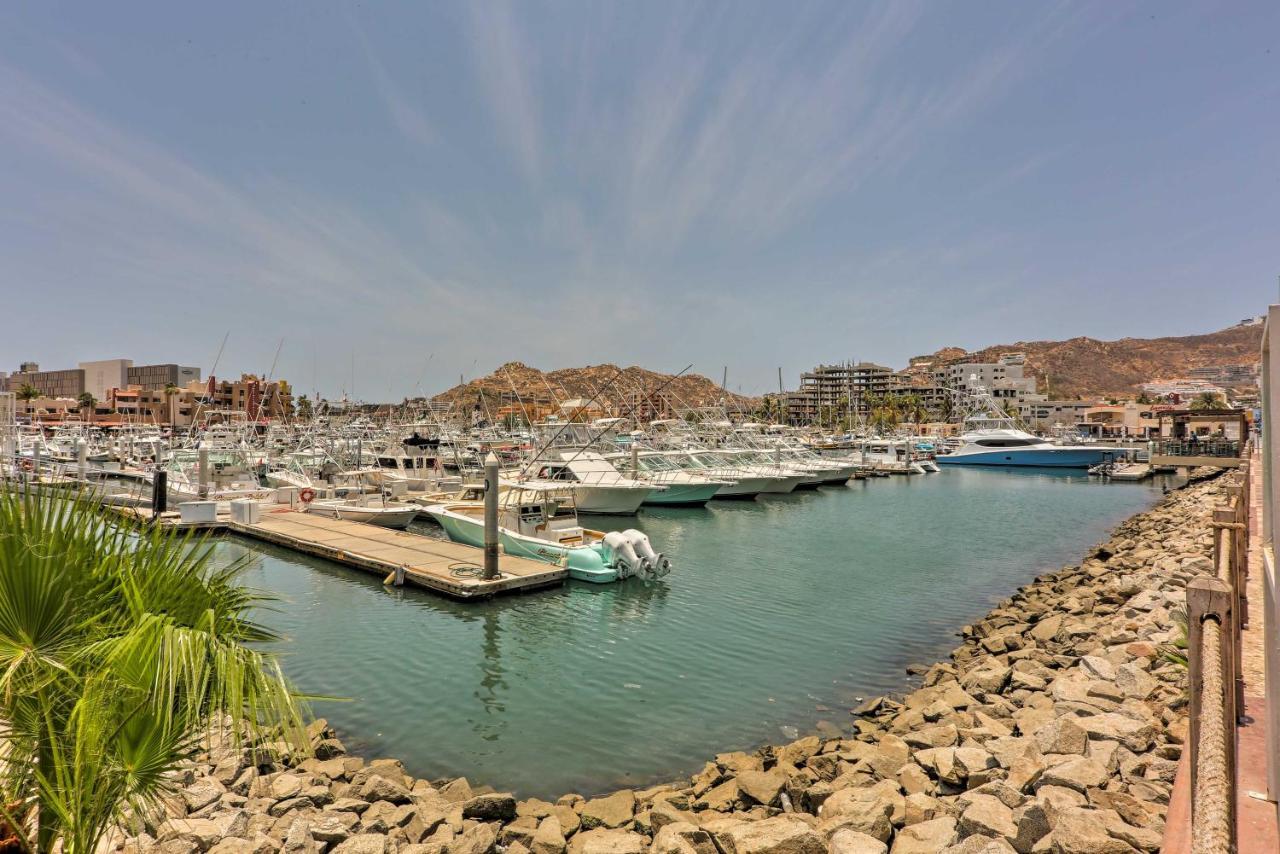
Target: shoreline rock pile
(1055, 727)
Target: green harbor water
(779, 616)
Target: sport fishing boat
(598, 487)
(676, 486)
(540, 522)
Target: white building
(102, 376)
(1004, 379)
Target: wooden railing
(1207, 447)
(1216, 614)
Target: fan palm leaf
(119, 650)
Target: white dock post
(490, 516)
(82, 460)
(202, 473)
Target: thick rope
(1211, 812)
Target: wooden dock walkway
(451, 569)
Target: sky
(394, 195)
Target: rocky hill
(1088, 367)
(613, 384)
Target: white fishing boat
(540, 522)
(598, 487)
(677, 486)
(388, 514)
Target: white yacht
(1009, 446)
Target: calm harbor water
(779, 615)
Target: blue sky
(429, 190)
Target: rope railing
(1212, 827)
(1215, 612)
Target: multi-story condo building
(837, 391)
(159, 376)
(68, 383)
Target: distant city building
(1045, 414)
(102, 376)
(159, 376)
(68, 383)
(837, 391)
(1001, 379)
(1227, 375)
(1183, 388)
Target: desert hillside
(612, 385)
(1088, 367)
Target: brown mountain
(1087, 367)
(616, 387)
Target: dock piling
(159, 493)
(82, 460)
(202, 474)
(490, 516)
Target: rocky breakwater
(1055, 727)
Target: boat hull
(683, 494)
(396, 518)
(584, 563)
(1077, 458)
(607, 500)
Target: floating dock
(450, 569)
(443, 567)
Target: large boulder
(763, 787)
(927, 837)
(549, 837)
(846, 841)
(683, 838)
(1080, 773)
(782, 834)
(490, 807)
(379, 787)
(612, 811)
(604, 840)
(986, 815)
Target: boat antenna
(591, 439)
(565, 426)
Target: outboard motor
(657, 564)
(624, 557)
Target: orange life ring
(27, 465)
(307, 495)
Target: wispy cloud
(504, 66)
(404, 111)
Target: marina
(780, 616)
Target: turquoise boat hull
(585, 563)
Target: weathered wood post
(1209, 601)
(490, 517)
(159, 493)
(635, 458)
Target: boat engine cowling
(622, 556)
(658, 564)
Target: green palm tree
(87, 402)
(1206, 400)
(27, 393)
(118, 651)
